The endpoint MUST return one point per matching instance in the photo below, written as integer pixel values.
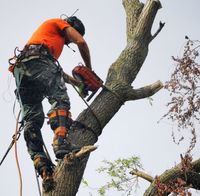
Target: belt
(34, 51)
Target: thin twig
(161, 25)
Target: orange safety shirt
(51, 34)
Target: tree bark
(117, 91)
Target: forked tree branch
(120, 76)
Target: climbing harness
(29, 52)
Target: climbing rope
(38, 183)
(16, 154)
(15, 138)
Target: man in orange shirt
(38, 75)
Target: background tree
(118, 90)
(184, 104)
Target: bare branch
(146, 19)
(142, 175)
(161, 25)
(144, 92)
(133, 10)
(84, 150)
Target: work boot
(48, 182)
(61, 147)
(45, 170)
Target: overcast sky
(134, 129)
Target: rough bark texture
(118, 90)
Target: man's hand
(82, 90)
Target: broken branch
(142, 175)
(84, 150)
(144, 92)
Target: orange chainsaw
(89, 78)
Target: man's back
(50, 33)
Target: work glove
(83, 92)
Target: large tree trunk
(118, 90)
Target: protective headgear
(76, 23)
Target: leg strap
(60, 131)
(59, 112)
(60, 118)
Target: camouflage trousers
(37, 79)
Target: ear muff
(77, 24)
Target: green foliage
(85, 182)
(121, 179)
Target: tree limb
(142, 175)
(146, 19)
(84, 150)
(174, 173)
(144, 92)
(161, 25)
(127, 66)
(133, 10)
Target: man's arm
(73, 36)
(81, 87)
(71, 80)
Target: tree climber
(38, 75)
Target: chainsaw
(89, 78)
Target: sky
(134, 130)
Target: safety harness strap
(61, 131)
(59, 112)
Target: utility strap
(88, 107)
(59, 113)
(60, 131)
(114, 93)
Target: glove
(82, 90)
